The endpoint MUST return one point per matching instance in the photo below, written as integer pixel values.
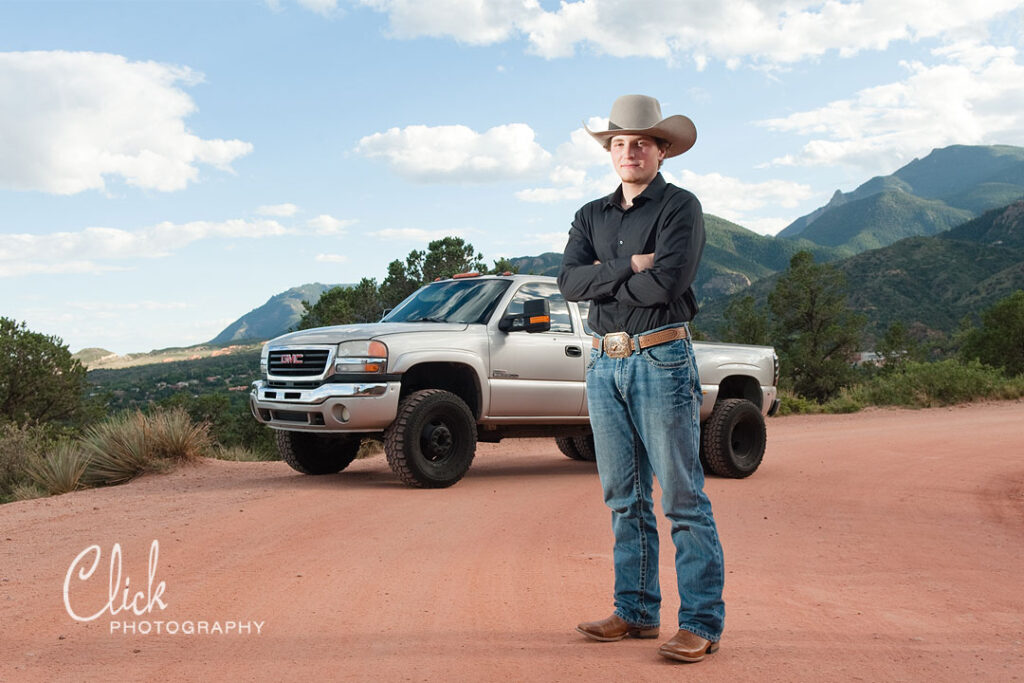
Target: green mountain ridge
(280, 313)
(927, 283)
(949, 186)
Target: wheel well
(740, 386)
(454, 377)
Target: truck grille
(298, 362)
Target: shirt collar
(653, 191)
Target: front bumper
(355, 407)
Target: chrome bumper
(356, 407)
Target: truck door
(539, 375)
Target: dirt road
(885, 545)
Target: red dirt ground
(883, 545)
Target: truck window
(450, 301)
(561, 321)
(584, 307)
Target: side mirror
(536, 317)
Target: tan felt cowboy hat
(641, 115)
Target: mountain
(280, 313)
(999, 227)
(928, 283)
(880, 220)
(925, 197)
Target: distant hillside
(734, 257)
(928, 283)
(881, 219)
(924, 197)
(280, 313)
(999, 227)
(89, 357)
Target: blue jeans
(645, 413)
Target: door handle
(573, 351)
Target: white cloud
(733, 199)
(732, 31)
(415, 234)
(328, 225)
(331, 258)
(973, 97)
(282, 210)
(71, 120)
(93, 249)
(437, 154)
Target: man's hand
(641, 262)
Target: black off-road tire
(732, 440)
(432, 441)
(311, 453)
(577, 447)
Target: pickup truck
(478, 358)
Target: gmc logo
(291, 359)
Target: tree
(896, 347)
(999, 341)
(398, 284)
(447, 256)
(344, 305)
(39, 380)
(745, 323)
(503, 265)
(366, 301)
(814, 330)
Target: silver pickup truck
(478, 358)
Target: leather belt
(621, 344)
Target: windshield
(451, 301)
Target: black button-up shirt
(664, 219)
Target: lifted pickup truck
(478, 358)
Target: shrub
(936, 384)
(117, 450)
(19, 445)
(61, 470)
(240, 454)
(171, 435)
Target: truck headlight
(264, 360)
(364, 357)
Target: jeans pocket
(594, 353)
(674, 354)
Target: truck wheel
(432, 441)
(732, 440)
(317, 453)
(577, 447)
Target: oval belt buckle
(616, 345)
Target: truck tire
(317, 453)
(432, 441)
(732, 440)
(577, 447)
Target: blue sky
(165, 167)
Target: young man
(634, 255)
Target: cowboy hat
(641, 115)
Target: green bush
(19, 445)
(118, 450)
(171, 435)
(60, 470)
(937, 384)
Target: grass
(241, 454)
(60, 470)
(916, 385)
